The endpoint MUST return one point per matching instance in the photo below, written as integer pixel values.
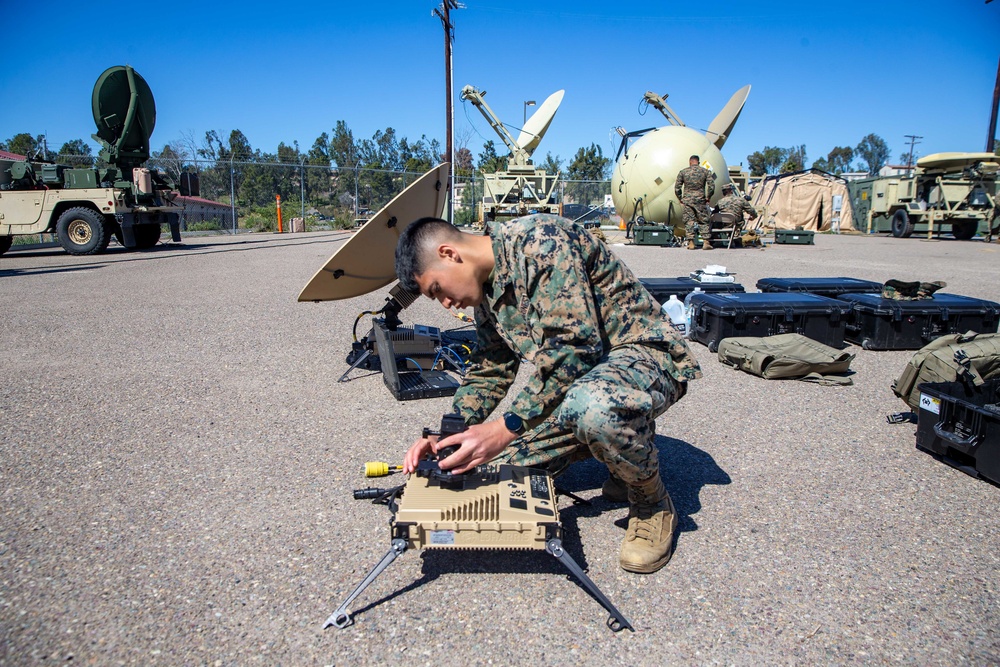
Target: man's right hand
(417, 452)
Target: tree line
(871, 154)
(337, 175)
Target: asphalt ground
(177, 462)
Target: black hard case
(960, 424)
(890, 324)
(718, 316)
(832, 288)
(662, 288)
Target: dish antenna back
(125, 114)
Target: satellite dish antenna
(125, 114)
(368, 260)
(723, 123)
(536, 126)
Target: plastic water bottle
(687, 310)
(674, 309)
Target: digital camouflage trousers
(696, 219)
(609, 413)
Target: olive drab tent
(811, 199)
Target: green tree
(318, 183)
(489, 161)
(587, 175)
(171, 160)
(344, 154)
(767, 161)
(463, 162)
(839, 159)
(873, 153)
(26, 145)
(75, 153)
(552, 164)
(795, 159)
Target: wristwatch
(513, 423)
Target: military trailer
(84, 208)
(521, 188)
(948, 193)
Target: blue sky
(823, 74)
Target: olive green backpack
(969, 357)
(791, 356)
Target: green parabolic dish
(112, 95)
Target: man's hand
(478, 444)
(417, 451)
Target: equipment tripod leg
(357, 362)
(616, 620)
(342, 618)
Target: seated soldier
(735, 204)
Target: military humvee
(952, 193)
(84, 208)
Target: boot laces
(644, 524)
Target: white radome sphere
(650, 169)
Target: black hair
(412, 247)
(694, 157)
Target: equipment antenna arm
(661, 104)
(476, 97)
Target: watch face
(513, 423)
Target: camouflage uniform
(606, 361)
(694, 187)
(737, 206)
(911, 291)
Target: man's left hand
(480, 443)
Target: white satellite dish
(368, 260)
(723, 123)
(536, 126)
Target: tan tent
(811, 199)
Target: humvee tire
(146, 236)
(964, 230)
(5, 243)
(901, 225)
(82, 231)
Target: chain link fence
(239, 195)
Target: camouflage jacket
(560, 300)
(737, 205)
(695, 185)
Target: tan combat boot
(649, 540)
(614, 490)
(691, 245)
(707, 245)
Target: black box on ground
(832, 288)
(795, 236)
(718, 316)
(960, 424)
(890, 324)
(662, 288)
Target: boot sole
(647, 568)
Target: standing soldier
(733, 203)
(694, 187)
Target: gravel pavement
(177, 461)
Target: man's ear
(449, 253)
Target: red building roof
(4, 155)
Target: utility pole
(443, 12)
(992, 134)
(913, 141)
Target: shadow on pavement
(160, 251)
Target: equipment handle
(950, 436)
